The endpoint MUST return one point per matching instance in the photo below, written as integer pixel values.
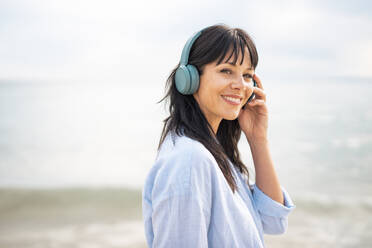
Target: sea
(74, 157)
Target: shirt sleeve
(182, 202)
(274, 216)
(180, 221)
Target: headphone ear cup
(194, 75)
(183, 79)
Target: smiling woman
(224, 89)
(197, 194)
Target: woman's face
(224, 89)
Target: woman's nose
(242, 83)
(238, 82)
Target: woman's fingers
(257, 102)
(258, 90)
(258, 81)
(259, 93)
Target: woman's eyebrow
(231, 63)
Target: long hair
(185, 116)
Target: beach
(70, 218)
(112, 218)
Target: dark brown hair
(185, 115)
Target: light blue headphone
(187, 76)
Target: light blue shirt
(187, 202)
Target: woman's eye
(225, 70)
(228, 71)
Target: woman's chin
(231, 117)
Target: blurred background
(79, 122)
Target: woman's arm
(180, 221)
(253, 120)
(273, 202)
(266, 178)
(177, 198)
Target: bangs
(236, 42)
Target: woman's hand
(253, 119)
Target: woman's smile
(234, 100)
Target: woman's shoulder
(180, 154)
(181, 164)
(183, 148)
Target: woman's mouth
(232, 100)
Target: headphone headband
(186, 49)
(187, 76)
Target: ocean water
(74, 156)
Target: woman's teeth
(232, 99)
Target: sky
(131, 42)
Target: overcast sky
(139, 40)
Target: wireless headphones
(187, 76)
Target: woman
(197, 194)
